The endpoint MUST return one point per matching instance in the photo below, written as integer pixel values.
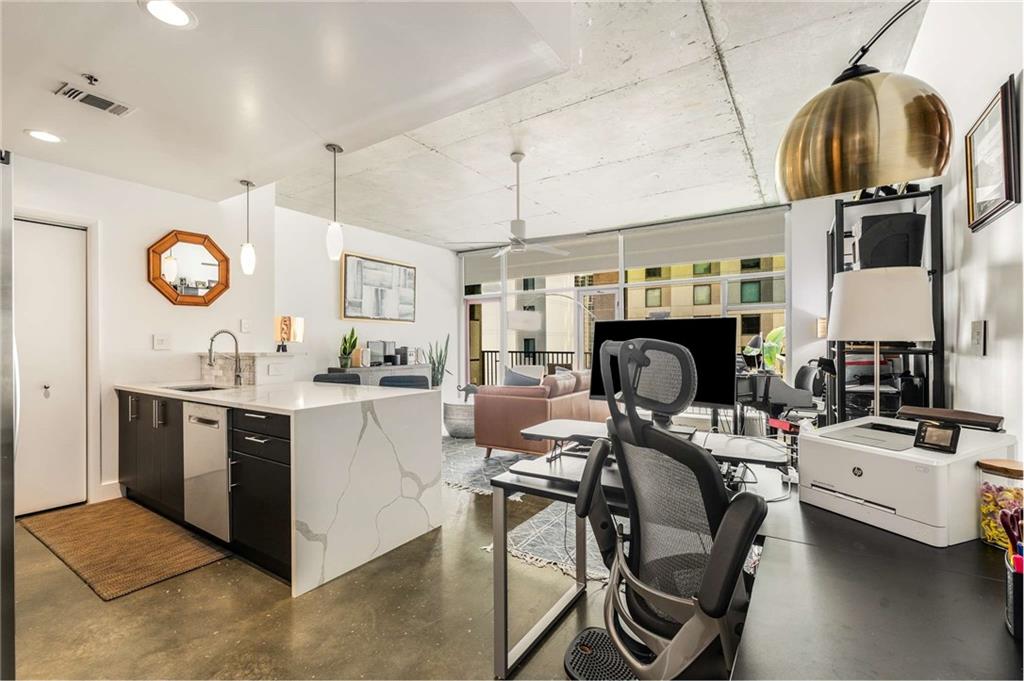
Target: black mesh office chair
(406, 381)
(348, 379)
(675, 584)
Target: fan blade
(547, 249)
(502, 251)
(472, 243)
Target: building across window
(653, 273)
(750, 292)
(750, 264)
(702, 294)
(529, 284)
(529, 345)
(701, 269)
(750, 324)
(653, 297)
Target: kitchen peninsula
(308, 480)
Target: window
(750, 324)
(529, 308)
(750, 292)
(529, 345)
(701, 269)
(653, 273)
(529, 284)
(474, 289)
(653, 297)
(702, 294)
(750, 264)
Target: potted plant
(348, 345)
(438, 358)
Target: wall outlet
(161, 341)
(243, 326)
(979, 337)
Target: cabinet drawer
(263, 446)
(261, 422)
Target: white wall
(308, 285)
(124, 220)
(807, 225)
(966, 50)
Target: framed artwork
(377, 289)
(993, 159)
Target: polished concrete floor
(421, 611)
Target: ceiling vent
(76, 94)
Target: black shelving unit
(935, 375)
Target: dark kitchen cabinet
(261, 512)
(151, 452)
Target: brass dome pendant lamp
(869, 129)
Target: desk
(833, 598)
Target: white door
(50, 339)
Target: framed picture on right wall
(993, 159)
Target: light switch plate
(243, 326)
(161, 341)
(979, 337)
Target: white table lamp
(881, 304)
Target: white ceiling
(256, 88)
(668, 110)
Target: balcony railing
(490, 361)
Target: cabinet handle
(156, 413)
(255, 416)
(257, 440)
(133, 412)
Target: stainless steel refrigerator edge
(7, 425)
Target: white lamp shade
(248, 258)
(169, 268)
(881, 304)
(335, 241)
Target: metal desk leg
(500, 551)
(506, 660)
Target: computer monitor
(711, 341)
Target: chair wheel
(592, 655)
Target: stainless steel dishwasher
(207, 504)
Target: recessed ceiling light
(43, 136)
(169, 13)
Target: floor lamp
(881, 304)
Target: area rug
(466, 468)
(117, 547)
(548, 538)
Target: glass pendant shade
(248, 258)
(335, 241)
(864, 131)
(169, 268)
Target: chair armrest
(735, 536)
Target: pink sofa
(501, 412)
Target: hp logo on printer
(857, 471)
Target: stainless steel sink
(196, 388)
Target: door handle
(257, 440)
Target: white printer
(868, 470)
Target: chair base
(592, 655)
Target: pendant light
(868, 129)
(169, 267)
(248, 254)
(335, 240)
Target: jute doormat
(118, 547)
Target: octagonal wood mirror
(188, 268)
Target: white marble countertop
(278, 398)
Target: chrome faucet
(238, 359)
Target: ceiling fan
(517, 242)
